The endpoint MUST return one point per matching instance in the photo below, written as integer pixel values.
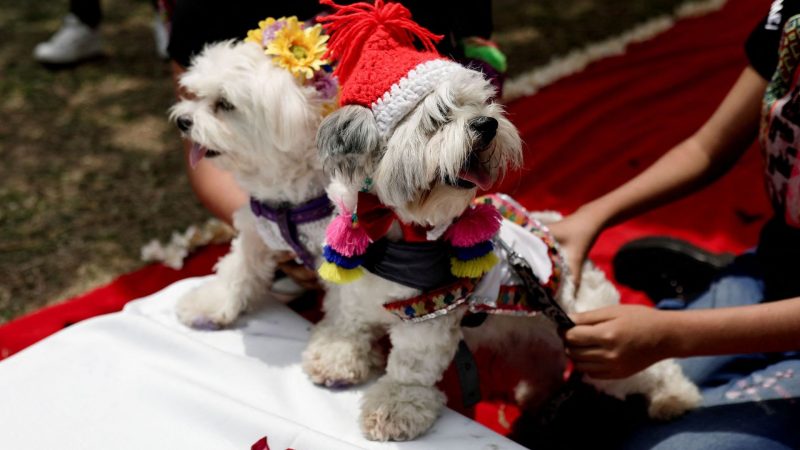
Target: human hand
(575, 235)
(299, 273)
(618, 341)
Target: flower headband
(299, 48)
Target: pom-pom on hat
(378, 65)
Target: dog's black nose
(486, 127)
(184, 123)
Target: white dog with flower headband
(254, 107)
(415, 137)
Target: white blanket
(140, 380)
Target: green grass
(93, 170)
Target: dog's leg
(405, 402)
(243, 277)
(343, 349)
(669, 393)
(529, 345)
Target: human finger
(587, 354)
(594, 316)
(300, 274)
(582, 336)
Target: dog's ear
(349, 143)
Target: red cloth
(26, 330)
(589, 133)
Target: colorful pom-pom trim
(476, 251)
(474, 268)
(329, 271)
(332, 256)
(477, 224)
(470, 237)
(347, 242)
(346, 236)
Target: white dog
(258, 121)
(407, 156)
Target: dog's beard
(479, 169)
(435, 162)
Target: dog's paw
(676, 398)
(396, 412)
(339, 363)
(208, 307)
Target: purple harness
(288, 218)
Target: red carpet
(22, 332)
(589, 133)
(585, 135)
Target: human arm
(618, 341)
(691, 165)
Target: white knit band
(406, 93)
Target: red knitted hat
(378, 65)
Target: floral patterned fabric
(780, 128)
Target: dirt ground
(92, 170)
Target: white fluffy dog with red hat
(417, 135)
(253, 110)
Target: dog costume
(461, 266)
(380, 69)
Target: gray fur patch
(348, 142)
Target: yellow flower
(298, 50)
(257, 35)
(291, 46)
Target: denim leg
(740, 284)
(758, 411)
(707, 371)
(749, 401)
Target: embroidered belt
(513, 300)
(288, 218)
(432, 304)
(532, 297)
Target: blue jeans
(750, 401)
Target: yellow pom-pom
(331, 272)
(474, 268)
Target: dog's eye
(223, 104)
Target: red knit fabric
(381, 66)
(374, 48)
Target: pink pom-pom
(346, 237)
(476, 225)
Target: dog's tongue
(477, 175)
(196, 154)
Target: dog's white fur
(409, 168)
(266, 140)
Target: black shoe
(666, 267)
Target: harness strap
(288, 218)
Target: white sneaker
(161, 36)
(72, 43)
